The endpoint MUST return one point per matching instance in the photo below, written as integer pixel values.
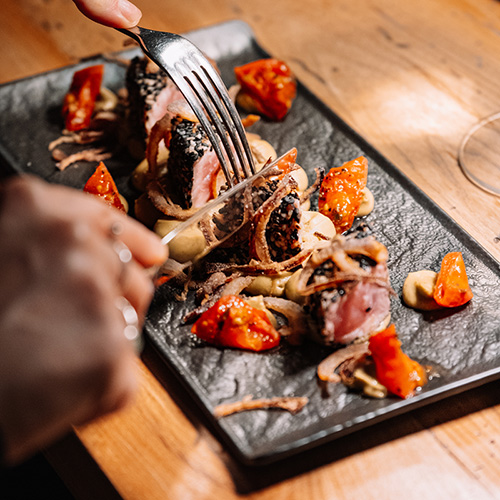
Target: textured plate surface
(463, 345)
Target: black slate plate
(463, 345)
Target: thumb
(112, 13)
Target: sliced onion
(293, 312)
(259, 241)
(94, 154)
(326, 369)
(156, 136)
(291, 404)
(164, 204)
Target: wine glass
(479, 154)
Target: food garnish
(267, 87)
(341, 192)
(231, 322)
(346, 287)
(418, 290)
(291, 404)
(79, 102)
(426, 290)
(102, 184)
(327, 368)
(395, 370)
(334, 276)
(452, 286)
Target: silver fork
(205, 92)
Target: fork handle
(147, 39)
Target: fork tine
(216, 89)
(199, 111)
(219, 107)
(219, 119)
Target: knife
(192, 240)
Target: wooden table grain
(412, 78)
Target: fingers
(90, 220)
(112, 13)
(136, 288)
(146, 246)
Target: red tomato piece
(341, 192)
(270, 86)
(79, 102)
(231, 322)
(399, 373)
(287, 162)
(101, 184)
(452, 286)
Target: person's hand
(64, 356)
(113, 13)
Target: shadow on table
(37, 479)
(249, 479)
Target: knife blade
(193, 239)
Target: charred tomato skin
(79, 102)
(231, 322)
(270, 85)
(341, 193)
(102, 184)
(452, 285)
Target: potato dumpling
(291, 291)
(367, 203)
(140, 173)
(184, 247)
(306, 205)
(312, 223)
(418, 290)
(261, 150)
(300, 175)
(269, 285)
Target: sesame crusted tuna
(283, 228)
(346, 284)
(192, 162)
(150, 92)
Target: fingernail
(130, 12)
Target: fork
(205, 92)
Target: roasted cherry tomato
(79, 102)
(400, 374)
(452, 286)
(231, 322)
(341, 192)
(267, 86)
(102, 184)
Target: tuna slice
(276, 228)
(351, 312)
(347, 288)
(192, 164)
(150, 92)
(283, 229)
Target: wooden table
(411, 78)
